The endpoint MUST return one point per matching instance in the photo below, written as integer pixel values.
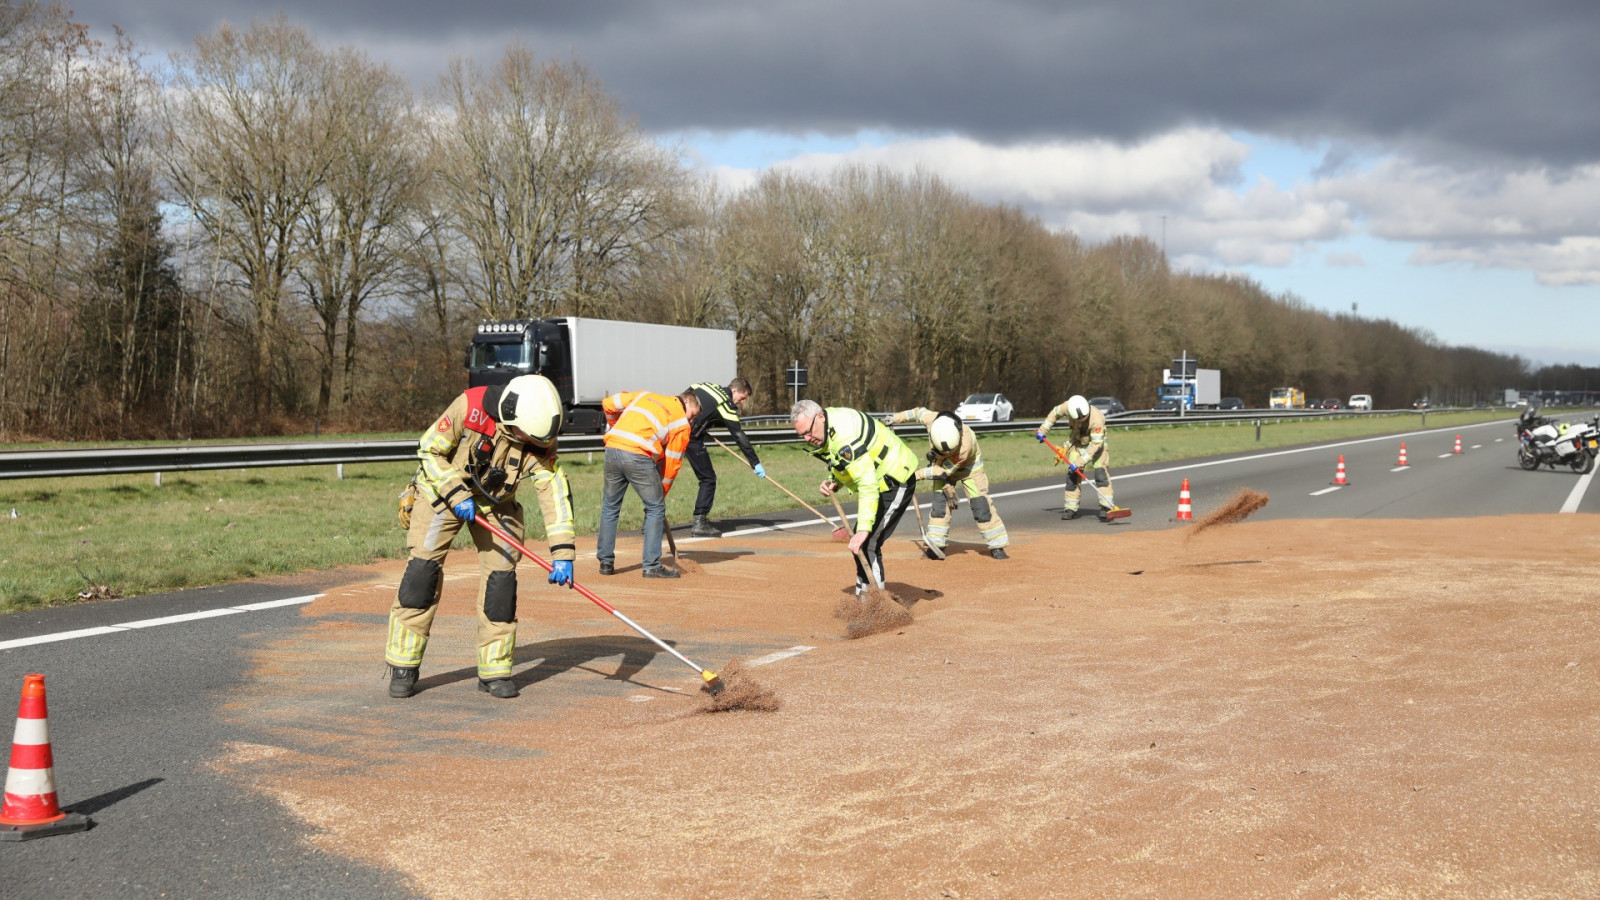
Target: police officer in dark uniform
(718, 406)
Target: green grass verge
(203, 528)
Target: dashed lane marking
(138, 624)
(1326, 490)
(1399, 468)
(781, 654)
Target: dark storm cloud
(1461, 77)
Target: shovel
(1115, 512)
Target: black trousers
(893, 501)
(700, 461)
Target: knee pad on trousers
(937, 508)
(980, 508)
(500, 597)
(419, 586)
(1101, 479)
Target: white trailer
(610, 356)
(1207, 387)
(590, 359)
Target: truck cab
(500, 351)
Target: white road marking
(1399, 468)
(153, 623)
(1576, 497)
(1446, 455)
(1475, 447)
(1326, 490)
(781, 654)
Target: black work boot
(998, 553)
(1068, 515)
(499, 687)
(704, 528)
(661, 572)
(1104, 514)
(929, 553)
(607, 568)
(402, 682)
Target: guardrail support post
(1258, 431)
(339, 471)
(158, 479)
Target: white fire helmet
(531, 403)
(1077, 407)
(945, 432)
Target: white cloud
(1183, 188)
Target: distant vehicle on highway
(985, 408)
(1332, 403)
(1421, 403)
(1108, 405)
(1230, 403)
(1166, 404)
(1360, 401)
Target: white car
(1360, 401)
(985, 408)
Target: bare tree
(355, 227)
(552, 193)
(249, 149)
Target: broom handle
(843, 519)
(780, 487)
(516, 545)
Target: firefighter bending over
(1086, 450)
(955, 462)
(475, 456)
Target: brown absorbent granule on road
(689, 567)
(878, 611)
(1236, 509)
(739, 691)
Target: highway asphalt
(134, 703)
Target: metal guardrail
(192, 457)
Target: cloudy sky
(1433, 162)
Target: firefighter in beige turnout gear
(954, 461)
(488, 442)
(1086, 449)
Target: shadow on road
(101, 801)
(563, 654)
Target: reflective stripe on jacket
(464, 444)
(717, 408)
(653, 425)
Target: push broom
(840, 531)
(713, 681)
(1115, 512)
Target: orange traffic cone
(1338, 474)
(30, 809)
(1184, 512)
(1402, 453)
(1458, 443)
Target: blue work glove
(1039, 435)
(760, 470)
(561, 572)
(466, 510)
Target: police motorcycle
(1544, 441)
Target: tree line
(265, 234)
